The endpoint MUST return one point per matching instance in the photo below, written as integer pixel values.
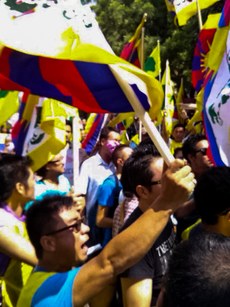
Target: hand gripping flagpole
(146, 120)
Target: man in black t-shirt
(141, 175)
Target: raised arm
(125, 249)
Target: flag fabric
(185, 9)
(41, 132)
(49, 28)
(225, 16)
(170, 6)
(9, 104)
(217, 95)
(204, 42)
(168, 105)
(131, 50)
(92, 136)
(87, 82)
(125, 118)
(153, 62)
(192, 124)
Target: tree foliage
(119, 20)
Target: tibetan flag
(204, 42)
(87, 81)
(153, 62)
(125, 118)
(131, 50)
(42, 130)
(168, 106)
(185, 9)
(225, 16)
(93, 134)
(49, 28)
(217, 103)
(9, 104)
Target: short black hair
(199, 273)
(136, 170)
(189, 145)
(40, 218)
(13, 169)
(105, 131)
(212, 193)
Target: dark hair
(41, 218)
(177, 150)
(68, 122)
(13, 169)
(178, 125)
(189, 145)
(117, 153)
(136, 169)
(42, 171)
(105, 131)
(212, 193)
(199, 273)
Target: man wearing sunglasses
(141, 176)
(195, 150)
(59, 236)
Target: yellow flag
(9, 104)
(186, 9)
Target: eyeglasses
(155, 182)
(203, 151)
(76, 227)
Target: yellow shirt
(16, 273)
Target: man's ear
(102, 141)
(20, 188)
(48, 243)
(141, 191)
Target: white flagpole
(199, 14)
(76, 146)
(146, 120)
(142, 65)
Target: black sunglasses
(76, 227)
(203, 151)
(155, 182)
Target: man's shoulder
(52, 287)
(132, 218)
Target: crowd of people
(136, 232)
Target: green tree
(119, 20)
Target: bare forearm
(17, 247)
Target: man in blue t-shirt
(59, 236)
